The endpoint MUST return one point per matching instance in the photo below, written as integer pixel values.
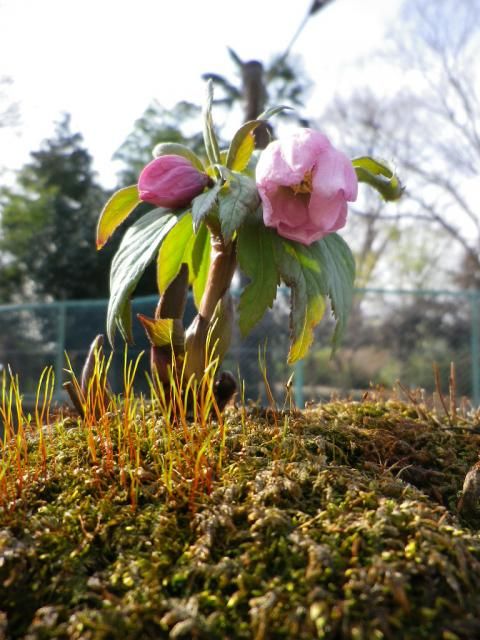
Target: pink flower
(171, 181)
(304, 184)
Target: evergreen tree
(47, 225)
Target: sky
(104, 61)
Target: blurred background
(87, 89)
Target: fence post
(298, 384)
(61, 321)
(475, 346)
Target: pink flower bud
(171, 181)
(304, 184)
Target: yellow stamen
(305, 186)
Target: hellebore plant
(277, 223)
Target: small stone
(469, 503)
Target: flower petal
(302, 149)
(287, 162)
(273, 168)
(288, 207)
(334, 173)
(327, 214)
(304, 234)
(304, 184)
(170, 181)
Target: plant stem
(219, 279)
(220, 274)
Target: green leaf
(137, 249)
(242, 146)
(164, 332)
(174, 250)
(209, 137)
(299, 268)
(256, 256)
(244, 153)
(273, 111)
(326, 267)
(378, 176)
(243, 142)
(204, 204)
(117, 209)
(236, 203)
(199, 263)
(339, 266)
(124, 321)
(176, 149)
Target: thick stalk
(222, 267)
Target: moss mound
(336, 522)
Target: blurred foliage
(282, 80)
(9, 110)
(396, 338)
(158, 124)
(48, 225)
(428, 120)
(285, 83)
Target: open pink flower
(171, 181)
(304, 184)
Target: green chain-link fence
(392, 335)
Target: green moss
(341, 525)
